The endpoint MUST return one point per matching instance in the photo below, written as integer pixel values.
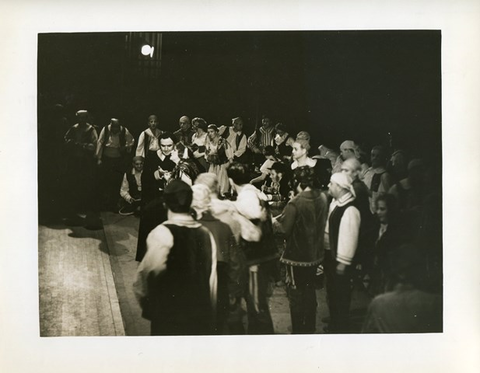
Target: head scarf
(201, 197)
(343, 181)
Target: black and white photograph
(224, 183)
(221, 190)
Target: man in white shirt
(341, 240)
(236, 139)
(176, 282)
(148, 140)
(131, 189)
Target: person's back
(404, 310)
(408, 308)
(180, 296)
(305, 237)
(176, 281)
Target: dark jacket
(303, 222)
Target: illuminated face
(184, 124)
(382, 212)
(138, 165)
(152, 122)
(274, 175)
(237, 125)
(166, 146)
(211, 133)
(298, 151)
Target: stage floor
(86, 277)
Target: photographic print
(240, 183)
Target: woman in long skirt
(217, 159)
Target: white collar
(310, 162)
(181, 219)
(149, 132)
(173, 155)
(346, 198)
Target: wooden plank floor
(86, 280)
(77, 291)
(121, 233)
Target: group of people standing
(223, 217)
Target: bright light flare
(147, 50)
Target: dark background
(336, 85)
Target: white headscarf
(343, 181)
(201, 198)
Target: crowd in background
(226, 215)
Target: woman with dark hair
(283, 142)
(387, 235)
(270, 156)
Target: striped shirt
(266, 138)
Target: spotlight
(147, 50)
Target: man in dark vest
(114, 144)
(341, 240)
(176, 281)
(131, 189)
(148, 144)
(237, 151)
